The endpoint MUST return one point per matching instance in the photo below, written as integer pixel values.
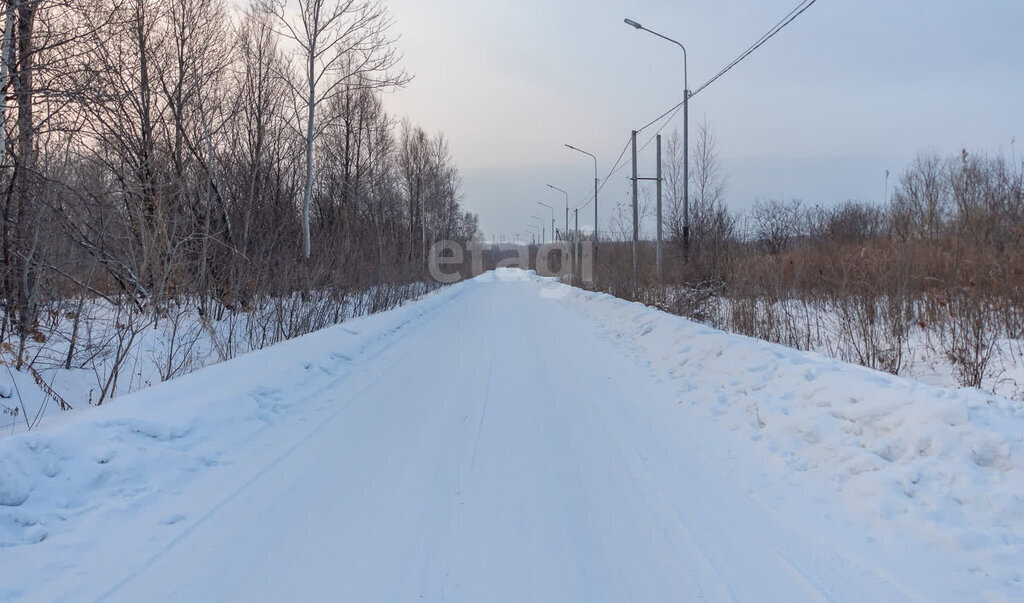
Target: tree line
(160, 152)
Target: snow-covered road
(497, 444)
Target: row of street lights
(597, 182)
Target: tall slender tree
(341, 45)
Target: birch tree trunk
(310, 123)
(344, 45)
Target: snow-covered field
(514, 439)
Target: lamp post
(686, 140)
(552, 218)
(596, 185)
(565, 233)
(542, 228)
(576, 243)
(566, 206)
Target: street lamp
(542, 224)
(534, 231)
(686, 140)
(566, 207)
(596, 184)
(552, 218)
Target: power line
(615, 168)
(619, 163)
(789, 18)
(676, 110)
(796, 12)
(673, 111)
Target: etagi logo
(447, 262)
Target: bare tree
(708, 182)
(34, 63)
(151, 163)
(673, 189)
(776, 224)
(342, 44)
(414, 168)
(922, 199)
(712, 225)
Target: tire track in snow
(483, 413)
(305, 440)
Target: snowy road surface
(491, 443)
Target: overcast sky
(848, 90)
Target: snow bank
(947, 463)
(116, 457)
(179, 342)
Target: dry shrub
(973, 328)
(943, 260)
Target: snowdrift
(943, 462)
(115, 458)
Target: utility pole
(565, 233)
(636, 224)
(553, 235)
(576, 251)
(636, 215)
(597, 186)
(686, 167)
(686, 138)
(596, 182)
(566, 205)
(542, 231)
(660, 273)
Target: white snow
(179, 342)
(827, 327)
(515, 439)
(945, 464)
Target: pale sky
(848, 90)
